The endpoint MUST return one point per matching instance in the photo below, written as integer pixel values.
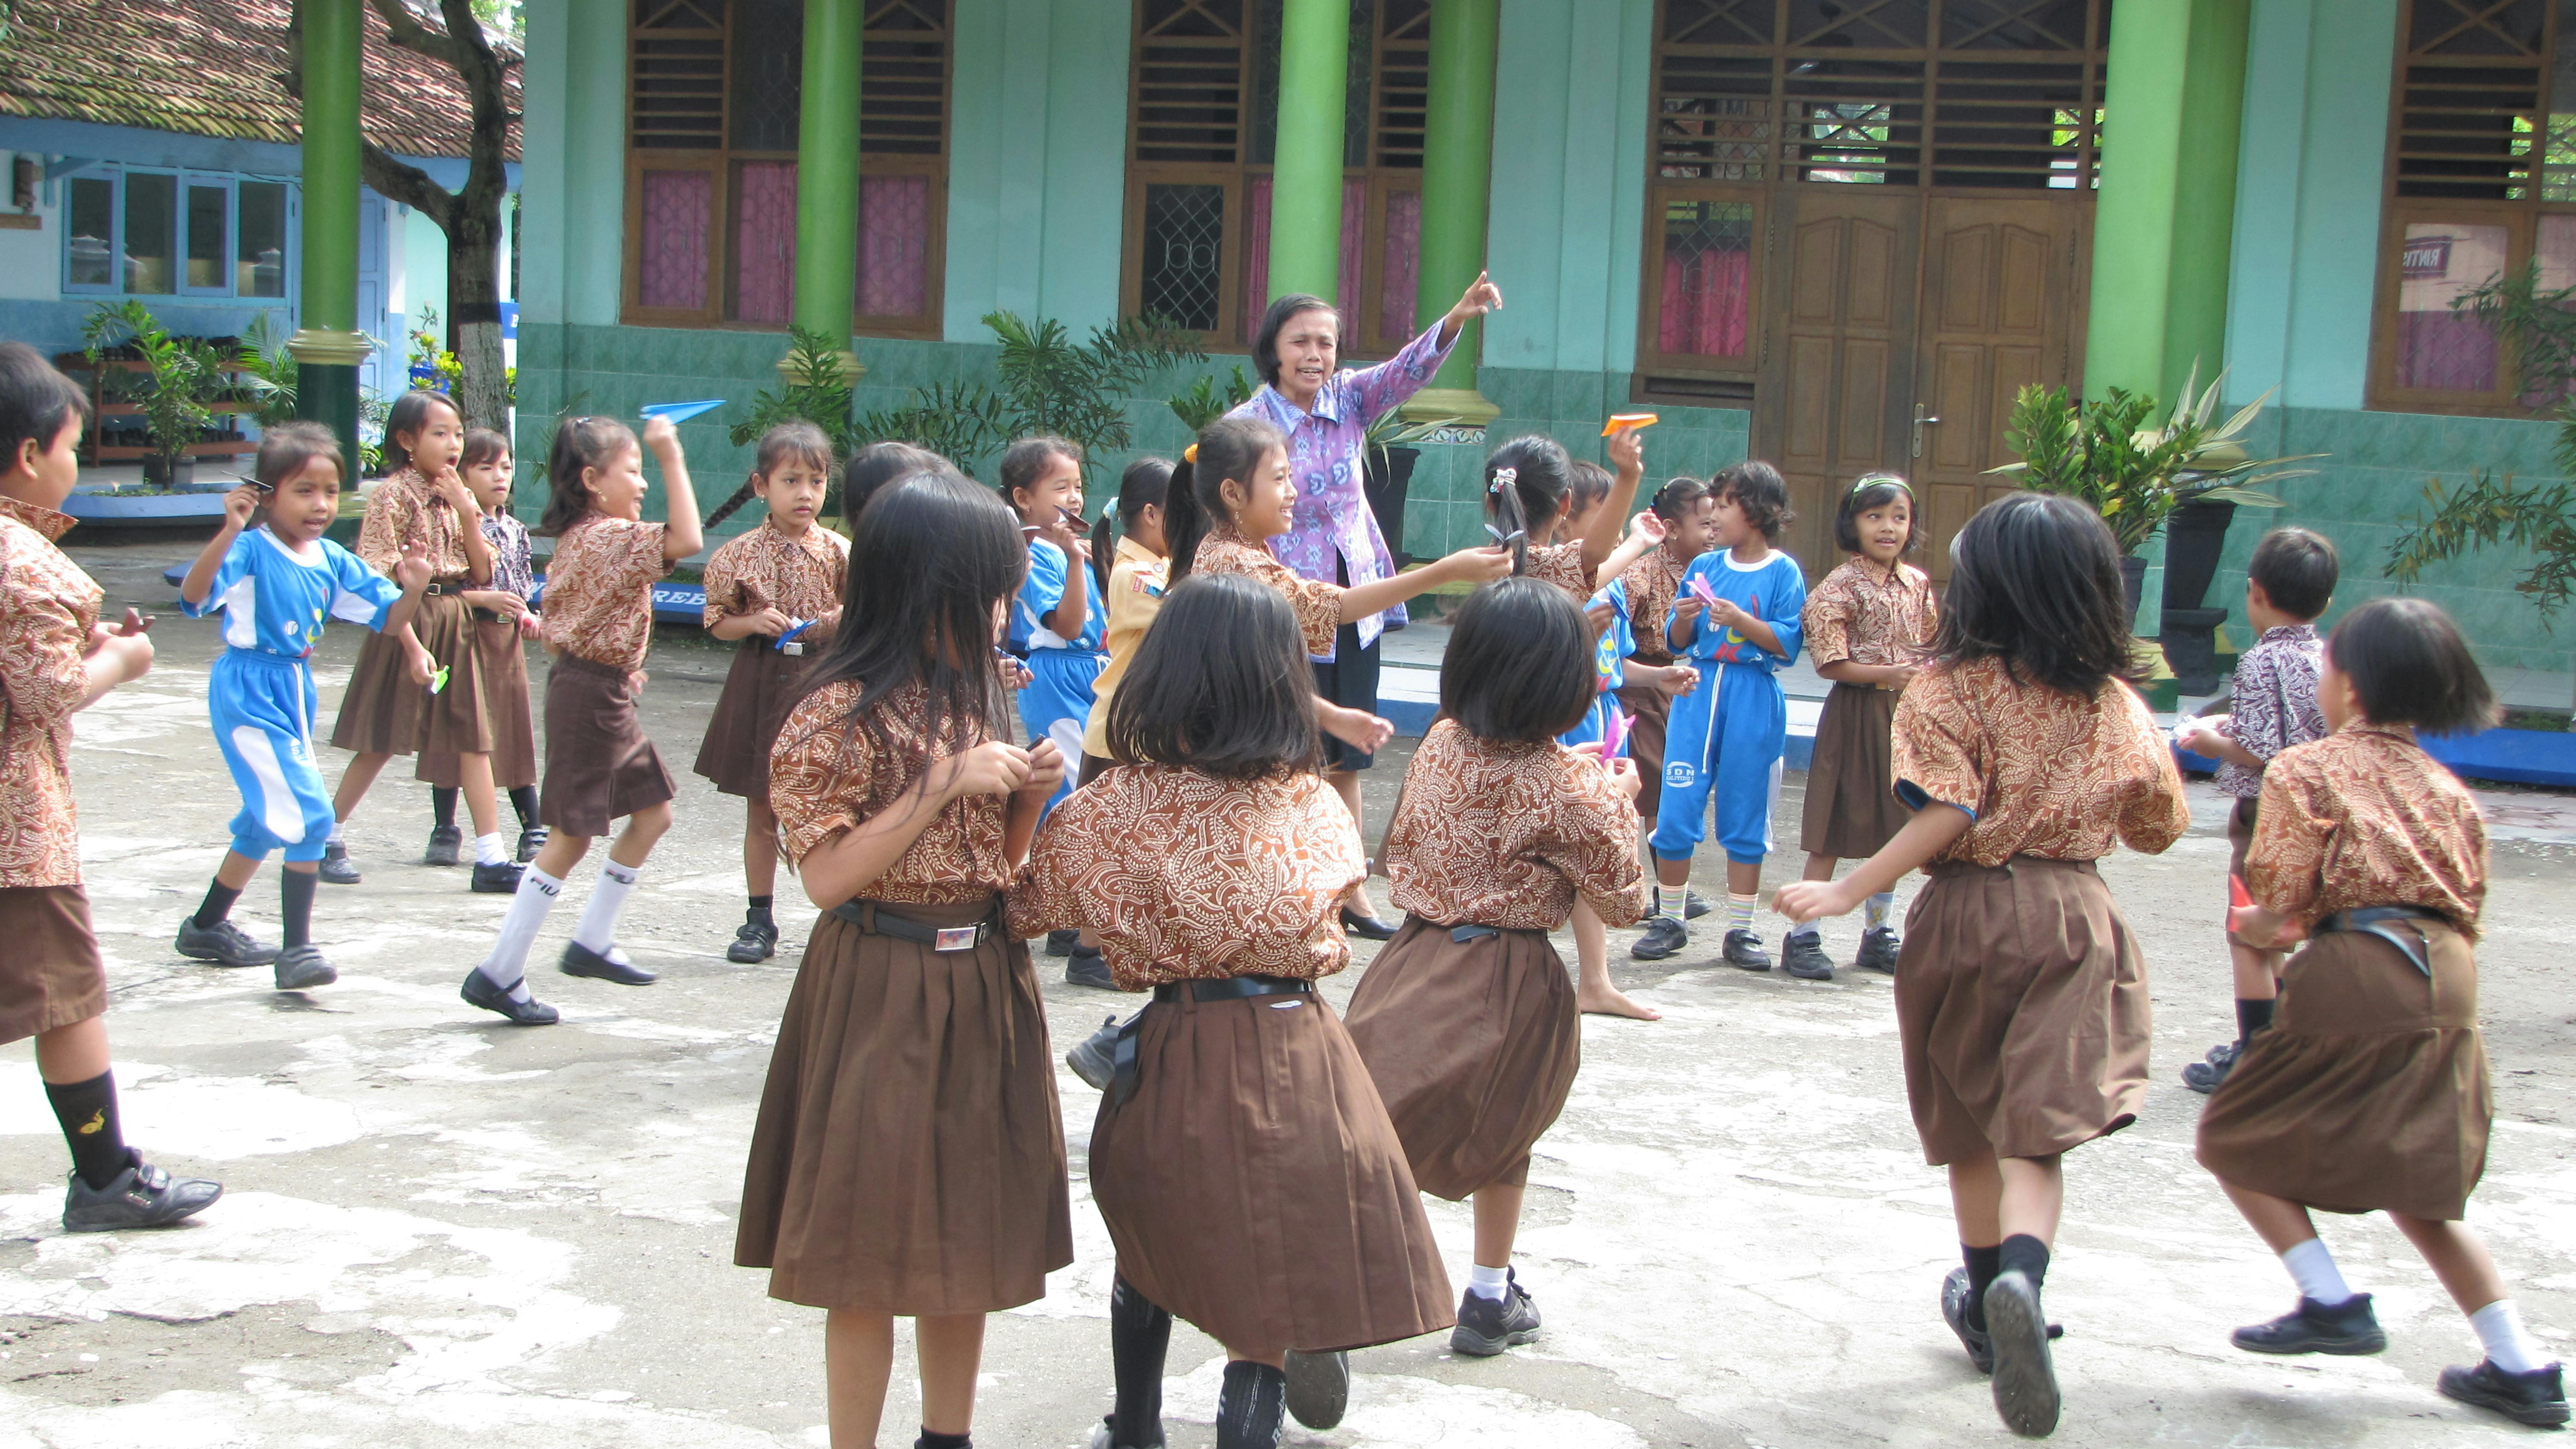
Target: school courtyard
(439, 1226)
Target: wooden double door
(1902, 326)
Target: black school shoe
(1878, 947)
(1802, 954)
(580, 960)
(302, 966)
(1745, 951)
(1061, 943)
(1091, 1059)
(2348, 1327)
(223, 943)
(1088, 967)
(1487, 1326)
(2204, 1076)
(2025, 1376)
(443, 840)
(532, 838)
(753, 941)
(1663, 937)
(1695, 905)
(1954, 1311)
(142, 1196)
(479, 991)
(1319, 1388)
(500, 879)
(2537, 1398)
(336, 867)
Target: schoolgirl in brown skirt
(2368, 1092)
(1466, 1020)
(2021, 995)
(1653, 583)
(423, 502)
(503, 623)
(777, 589)
(909, 1155)
(599, 766)
(1869, 626)
(1241, 1157)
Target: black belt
(879, 919)
(1122, 1056)
(2373, 921)
(1461, 934)
(436, 587)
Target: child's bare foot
(1608, 1000)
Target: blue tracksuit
(261, 694)
(1057, 704)
(1731, 731)
(1609, 658)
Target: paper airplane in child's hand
(681, 412)
(1614, 734)
(1700, 590)
(438, 679)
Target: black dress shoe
(501, 879)
(1093, 1060)
(1745, 951)
(1694, 905)
(1319, 1388)
(2025, 1378)
(1368, 928)
(1061, 943)
(1954, 1312)
(580, 960)
(753, 941)
(336, 867)
(1878, 946)
(2204, 1077)
(1663, 937)
(479, 991)
(531, 840)
(1802, 955)
(2348, 1327)
(1487, 1326)
(298, 967)
(142, 1196)
(1088, 967)
(223, 943)
(2537, 1398)
(443, 840)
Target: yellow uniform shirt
(1135, 596)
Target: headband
(1866, 479)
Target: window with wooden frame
(714, 92)
(1203, 135)
(2481, 184)
(1754, 97)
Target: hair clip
(1506, 540)
(1190, 455)
(1867, 479)
(1503, 478)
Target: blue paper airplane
(681, 412)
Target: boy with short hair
(2288, 585)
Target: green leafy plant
(266, 372)
(180, 376)
(2536, 326)
(1208, 400)
(813, 389)
(2134, 474)
(1049, 384)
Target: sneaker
(1878, 950)
(1802, 954)
(1061, 943)
(2348, 1327)
(498, 879)
(1694, 906)
(336, 869)
(1663, 937)
(1744, 950)
(580, 960)
(1954, 1312)
(1093, 1060)
(443, 840)
(1087, 967)
(1319, 1388)
(142, 1196)
(2025, 1376)
(302, 966)
(531, 840)
(753, 941)
(2204, 1076)
(1487, 1326)
(2536, 1398)
(223, 943)
(479, 991)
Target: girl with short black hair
(1683, 505)
(504, 620)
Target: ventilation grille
(1403, 81)
(675, 99)
(1190, 81)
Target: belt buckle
(955, 938)
(794, 649)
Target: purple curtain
(678, 211)
(1704, 303)
(2446, 350)
(1256, 253)
(1400, 267)
(894, 239)
(764, 246)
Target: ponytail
(1194, 498)
(1184, 524)
(1147, 483)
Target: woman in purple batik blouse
(1326, 414)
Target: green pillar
(1306, 175)
(1457, 184)
(2172, 111)
(827, 169)
(328, 346)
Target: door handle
(1922, 419)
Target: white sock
(508, 964)
(598, 928)
(1487, 1282)
(488, 851)
(336, 837)
(2500, 1329)
(1879, 907)
(1739, 911)
(2313, 1268)
(1672, 901)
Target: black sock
(295, 905)
(219, 904)
(1983, 1265)
(2021, 1253)
(2251, 1016)
(87, 1111)
(759, 911)
(1140, 1339)
(1251, 1405)
(523, 799)
(442, 807)
(930, 1440)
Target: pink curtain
(1256, 252)
(1354, 252)
(1704, 303)
(678, 212)
(2447, 350)
(894, 242)
(1400, 267)
(764, 246)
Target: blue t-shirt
(275, 599)
(1610, 653)
(1044, 590)
(1773, 591)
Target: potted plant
(1208, 400)
(1390, 455)
(267, 372)
(180, 376)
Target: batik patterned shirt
(827, 776)
(1318, 605)
(599, 589)
(513, 570)
(1510, 835)
(2362, 818)
(2275, 703)
(1652, 584)
(403, 511)
(762, 568)
(1869, 614)
(47, 609)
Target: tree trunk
(474, 316)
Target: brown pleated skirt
(2021, 1005)
(1653, 708)
(599, 766)
(1473, 1046)
(2369, 1092)
(384, 713)
(1255, 1188)
(759, 691)
(909, 1154)
(52, 976)
(1852, 809)
(503, 660)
